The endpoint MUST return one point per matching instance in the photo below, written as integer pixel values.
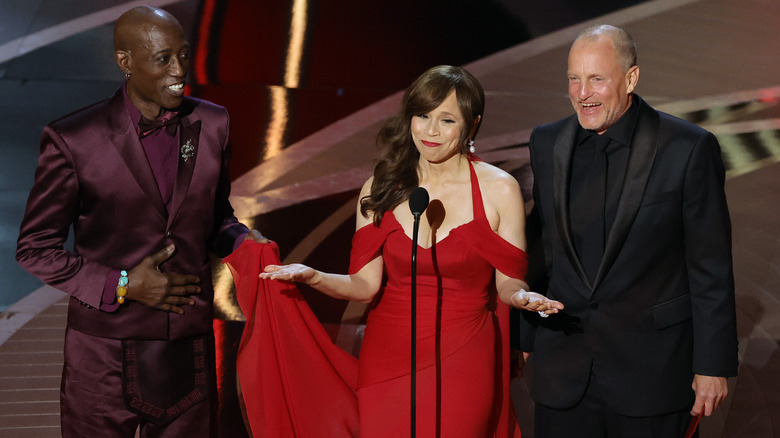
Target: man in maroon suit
(142, 178)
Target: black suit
(661, 306)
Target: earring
(472, 149)
(127, 75)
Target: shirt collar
(623, 130)
(135, 113)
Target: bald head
(133, 25)
(625, 48)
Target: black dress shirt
(584, 196)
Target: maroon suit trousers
(91, 396)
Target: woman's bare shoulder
(495, 182)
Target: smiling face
(599, 90)
(157, 60)
(437, 134)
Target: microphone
(418, 202)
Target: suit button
(593, 305)
(168, 234)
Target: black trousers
(591, 418)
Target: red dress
(462, 336)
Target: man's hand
(158, 290)
(710, 393)
(257, 236)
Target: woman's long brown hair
(395, 174)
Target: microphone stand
(415, 232)
(418, 202)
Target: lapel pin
(187, 150)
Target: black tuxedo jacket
(661, 307)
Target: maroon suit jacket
(93, 174)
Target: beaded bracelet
(121, 287)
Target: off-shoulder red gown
(462, 342)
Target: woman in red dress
(470, 266)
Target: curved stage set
(308, 83)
